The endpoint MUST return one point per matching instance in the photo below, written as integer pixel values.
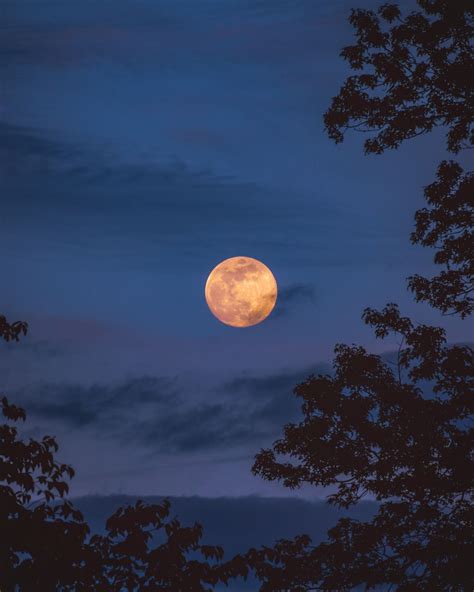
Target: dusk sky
(142, 143)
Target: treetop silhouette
(447, 225)
(417, 73)
(370, 430)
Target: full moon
(241, 291)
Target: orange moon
(241, 291)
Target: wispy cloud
(156, 413)
(293, 296)
(82, 195)
(101, 407)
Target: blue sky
(144, 142)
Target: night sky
(142, 143)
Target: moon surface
(241, 291)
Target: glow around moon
(241, 291)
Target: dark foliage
(41, 533)
(40, 540)
(447, 225)
(145, 550)
(370, 430)
(417, 73)
(12, 331)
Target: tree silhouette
(45, 544)
(144, 550)
(12, 331)
(41, 533)
(371, 430)
(416, 74)
(448, 225)
(398, 430)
